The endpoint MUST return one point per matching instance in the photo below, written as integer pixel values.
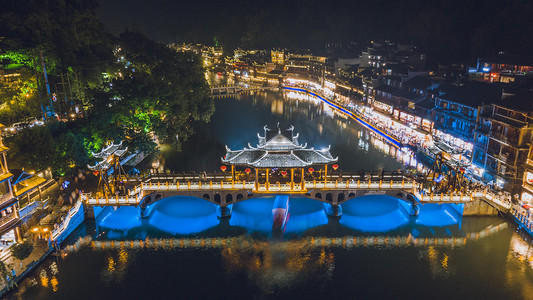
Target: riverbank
(523, 218)
(520, 216)
(41, 250)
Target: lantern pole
(325, 175)
(302, 181)
(256, 178)
(267, 181)
(292, 179)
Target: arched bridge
(226, 90)
(226, 192)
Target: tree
(32, 148)
(4, 272)
(157, 94)
(22, 250)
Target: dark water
(495, 263)
(237, 121)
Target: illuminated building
(278, 57)
(509, 140)
(278, 150)
(502, 68)
(212, 56)
(14, 187)
(9, 215)
(457, 109)
(306, 66)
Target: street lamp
(40, 231)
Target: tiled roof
(278, 150)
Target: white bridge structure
(280, 165)
(226, 192)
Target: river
(375, 250)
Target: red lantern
(335, 167)
(247, 170)
(223, 168)
(95, 173)
(311, 170)
(284, 173)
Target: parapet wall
(479, 207)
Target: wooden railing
(161, 182)
(65, 224)
(135, 195)
(5, 198)
(7, 219)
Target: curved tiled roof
(278, 150)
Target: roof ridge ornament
(280, 151)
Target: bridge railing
(463, 197)
(164, 182)
(64, 225)
(489, 196)
(158, 184)
(524, 217)
(315, 184)
(453, 197)
(111, 200)
(360, 184)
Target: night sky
(448, 30)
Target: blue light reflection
(256, 215)
(189, 215)
(376, 213)
(183, 215)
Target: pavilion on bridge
(277, 154)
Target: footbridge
(227, 90)
(226, 192)
(223, 191)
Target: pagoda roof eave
(278, 150)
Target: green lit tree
(157, 93)
(4, 272)
(22, 250)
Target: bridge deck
(197, 187)
(135, 196)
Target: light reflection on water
(245, 267)
(369, 214)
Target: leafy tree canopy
(22, 250)
(156, 94)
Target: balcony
(510, 140)
(9, 219)
(5, 198)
